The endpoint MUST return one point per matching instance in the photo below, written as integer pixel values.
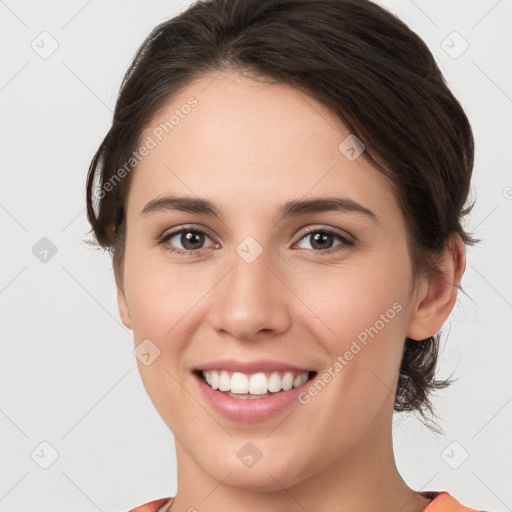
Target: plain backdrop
(78, 431)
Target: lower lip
(251, 409)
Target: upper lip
(250, 367)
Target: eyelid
(328, 229)
(182, 227)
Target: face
(254, 297)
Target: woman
(282, 191)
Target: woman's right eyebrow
(182, 203)
(292, 208)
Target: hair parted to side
(356, 58)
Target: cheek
(365, 309)
(358, 303)
(160, 294)
(363, 313)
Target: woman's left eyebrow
(293, 208)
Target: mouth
(250, 386)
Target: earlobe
(439, 292)
(123, 308)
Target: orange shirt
(442, 501)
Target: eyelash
(346, 243)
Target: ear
(438, 293)
(123, 308)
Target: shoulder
(159, 505)
(444, 502)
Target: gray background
(68, 375)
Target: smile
(255, 385)
(250, 391)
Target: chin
(277, 468)
(261, 480)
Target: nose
(252, 301)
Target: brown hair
(359, 60)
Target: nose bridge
(249, 280)
(249, 299)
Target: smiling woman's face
(260, 294)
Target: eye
(322, 239)
(191, 240)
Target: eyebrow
(290, 209)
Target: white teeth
(239, 383)
(287, 382)
(214, 380)
(274, 383)
(224, 381)
(257, 384)
(299, 380)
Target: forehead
(226, 135)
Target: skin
(291, 304)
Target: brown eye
(321, 241)
(191, 240)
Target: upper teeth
(255, 384)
